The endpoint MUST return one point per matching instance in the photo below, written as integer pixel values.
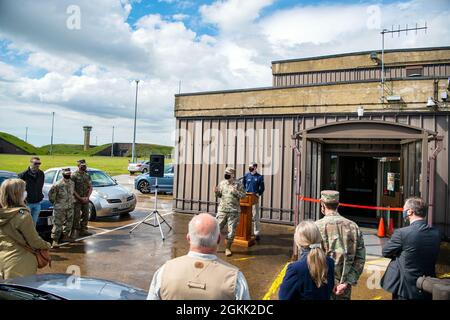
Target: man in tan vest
(199, 275)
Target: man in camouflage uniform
(343, 241)
(83, 190)
(61, 196)
(230, 191)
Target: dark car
(146, 184)
(45, 223)
(4, 175)
(67, 287)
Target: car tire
(131, 172)
(125, 215)
(145, 170)
(144, 187)
(92, 213)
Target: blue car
(146, 184)
(45, 222)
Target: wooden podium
(244, 237)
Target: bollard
(439, 288)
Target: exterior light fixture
(431, 103)
(393, 98)
(360, 111)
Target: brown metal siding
(194, 183)
(322, 77)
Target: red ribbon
(353, 205)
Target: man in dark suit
(414, 251)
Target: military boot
(55, 244)
(74, 234)
(85, 233)
(67, 238)
(228, 252)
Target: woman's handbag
(42, 255)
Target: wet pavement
(115, 254)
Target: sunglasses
(36, 163)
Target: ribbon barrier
(302, 198)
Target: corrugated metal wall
(197, 172)
(356, 74)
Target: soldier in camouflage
(230, 191)
(83, 190)
(61, 196)
(343, 241)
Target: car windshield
(168, 169)
(101, 179)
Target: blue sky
(86, 75)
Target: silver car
(141, 167)
(108, 197)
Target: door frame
(357, 132)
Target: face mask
(251, 169)
(83, 168)
(25, 195)
(66, 176)
(227, 176)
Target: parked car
(146, 184)
(67, 287)
(108, 198)
(4, 175)
(45, 222)
(142, 167)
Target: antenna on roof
(392, 31)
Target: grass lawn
(113, 166)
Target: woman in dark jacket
(312, 276)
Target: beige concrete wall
(303, 100)
(362, 60)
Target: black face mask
(251, 169)
(82, 168)
(66, 176)
(227, 176)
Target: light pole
(26, 134)
(112, 143)
(51, 139)
(133, 150)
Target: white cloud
(90, 72)
(232, 15)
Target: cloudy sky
(79, 58)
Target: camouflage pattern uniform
(343, 241)
(61, 195)
(83, 183)
(230, 194)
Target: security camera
(374, 57)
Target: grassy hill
(142, 149)
(19, 143)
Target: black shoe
(257, 238)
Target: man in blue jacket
(414, 251)
(254, 182)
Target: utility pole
(112, 143)
(392, 31)
(133, 150)
(53, 126)
(26, 134)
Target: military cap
(329, 196)
(230, 170)
(66, 170)
(81, 162)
